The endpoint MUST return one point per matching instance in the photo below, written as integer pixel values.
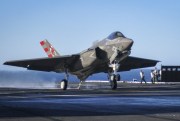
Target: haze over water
(36, 79)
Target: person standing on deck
(142, 77)
(155, 75)
(152, 77)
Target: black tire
(64, 84)
(113, 82)
(112, 77)
(114, 85)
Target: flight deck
(159, 102)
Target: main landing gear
(64, 82)
(113, 76)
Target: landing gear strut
(113, 76)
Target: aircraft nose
(127, 43)
(130, 41)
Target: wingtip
(5, 63)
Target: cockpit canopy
(115, 35)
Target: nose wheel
(113, 81)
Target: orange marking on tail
(46, 49)
(42, 43)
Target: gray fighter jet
(110, 55)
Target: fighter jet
(110, 55)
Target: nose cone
(130, 41)
(127, 43)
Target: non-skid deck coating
(130, 102)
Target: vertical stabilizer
(49, 49)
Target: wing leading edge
(45, 64)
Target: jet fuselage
(102, 53)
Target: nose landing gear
(113, 76)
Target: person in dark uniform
(142, 77)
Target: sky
(73, 25)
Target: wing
(45, 64)
(134, 63)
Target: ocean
(37, 79)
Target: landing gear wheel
(113, 82)
(64, 84)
